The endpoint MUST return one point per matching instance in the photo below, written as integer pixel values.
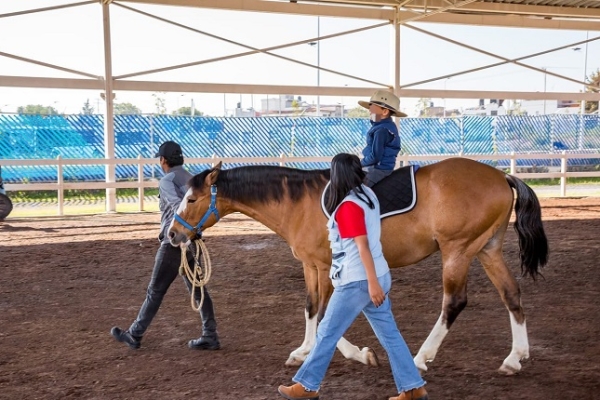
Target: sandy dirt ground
(66, 281)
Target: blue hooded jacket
(383, 145)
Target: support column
(109, 131)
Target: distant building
(439, 112)
(542, 107)
(493, 108)
(287, 105)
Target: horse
(463, 210)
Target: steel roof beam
(62, 83)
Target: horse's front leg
(311, 314)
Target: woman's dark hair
(346, 175)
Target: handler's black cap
(169, 149)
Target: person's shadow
(9, 228)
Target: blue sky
(73, 38)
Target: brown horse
(463, 210)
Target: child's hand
(376, 293)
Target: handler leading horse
(463, 210)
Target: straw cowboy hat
(384, 99)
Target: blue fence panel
(82, 136)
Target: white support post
(141, 184)
(109, 131)
(60, 182)
(513, 163)
(563, 174)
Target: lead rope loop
(197, 277)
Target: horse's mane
(262, 183)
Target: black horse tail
(533, 243)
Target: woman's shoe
(297, 392)
(414, 394)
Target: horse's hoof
(509, 370)
(421, 366)
(372, 359)
(293, 362)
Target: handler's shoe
(205, 343)
(124, 336)
(414, 394)
(297, 392)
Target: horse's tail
(533, 243)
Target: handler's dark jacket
(171, 189)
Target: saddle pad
(397, 193)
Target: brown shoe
(297, 392)
(414, 394)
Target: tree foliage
(87, 109)
(358, 112)
(594, 79)
(160, 102)
(37, 109)
(126, 108)
(422, 105)
(188, 111)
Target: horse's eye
(191, 200)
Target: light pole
(445, 83)
(582, 111)
(318, 44)
(545, 75)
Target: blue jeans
(346, 303)
(166, 269)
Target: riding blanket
(397, 192)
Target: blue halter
(212, 209)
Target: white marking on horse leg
(298, 356)
(352, 352)
(429, 349)
(520, 348)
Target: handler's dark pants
(166, 269)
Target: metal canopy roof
(548, 14)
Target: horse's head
(198, 209)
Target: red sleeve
(351, 220)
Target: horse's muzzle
(178, 239)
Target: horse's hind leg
(493, 263)
(455, 269)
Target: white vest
(346, 266)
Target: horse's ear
(211, 178)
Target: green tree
(593, 79)
(515, 108)
(358, 112)
(37, 109)
(160, 102)
(87, 109)
(188, 111)
(126, 108)
(422, 106)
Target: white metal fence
(560, 171)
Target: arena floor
(67, 280)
